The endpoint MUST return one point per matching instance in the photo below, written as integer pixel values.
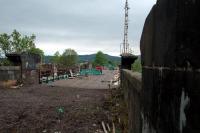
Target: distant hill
(114, 58)
(91, 57)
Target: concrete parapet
(132, 87)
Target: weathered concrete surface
(132, 86)
(171, 34)
(9, 76)
(171, 62)
(9, 73)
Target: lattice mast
(125, 49)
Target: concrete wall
(13, 73)
(171, 68)
(9, 73)
(132, 86)
(169, 99)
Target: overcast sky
(84, 25)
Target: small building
(29, 66)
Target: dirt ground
(53, 109)
(90, 82)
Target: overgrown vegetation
(136, 66)
(118, 109)
(5, 62)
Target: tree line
(68, 58)
(18, 43)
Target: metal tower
(125, 49)
(127, 58)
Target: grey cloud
(64, 20)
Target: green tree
(16, 43)
(69, 58)
(136, 66)
(36, 51)
(113, 63)
(22, 43)
(56, 58)
(100, 59)
(5, 45)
